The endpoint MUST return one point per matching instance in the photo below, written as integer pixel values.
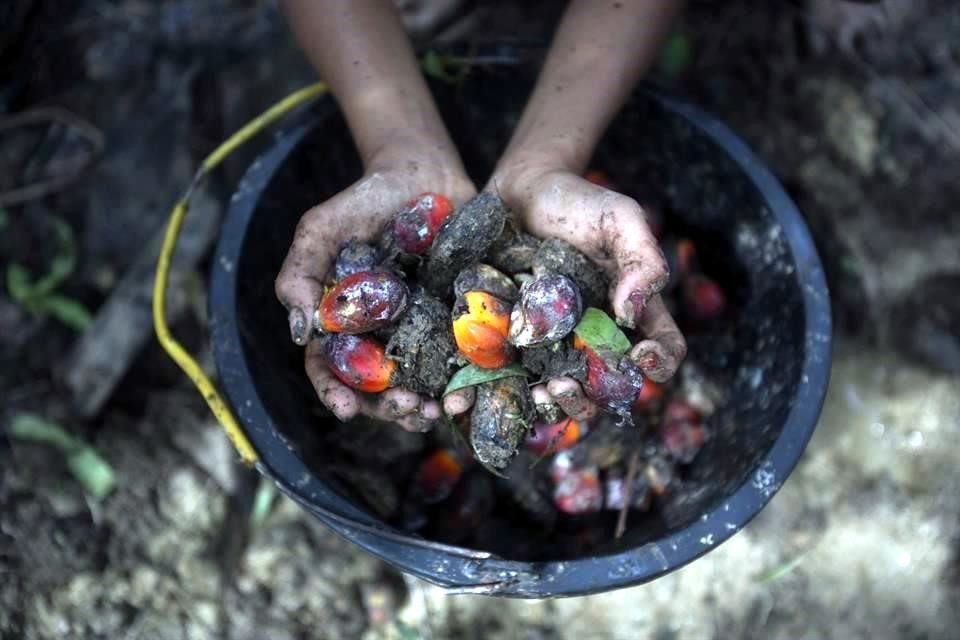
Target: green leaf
(89, 468)
(601, 333)
(67, 310)
(472, 375)
(263, 500)
(32, 428)
(676, 54)
(433, 65)
(406, 632)
(778, 572)
(92, 471)
(19, 283)
(62, 264)
(458, 438)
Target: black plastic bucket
(777, 360)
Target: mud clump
(422, 346)
(557, 360)
(462, 241)
(501, 418)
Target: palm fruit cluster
(457, 297)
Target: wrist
(520, 171)
(389, 123)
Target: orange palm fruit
(650, 394)
(360, 362)
(598, 178)
(481, 322)
(556, 437)
(437, 476)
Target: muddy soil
(857, 117)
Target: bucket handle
(221, 411)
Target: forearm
(598, 54)
(359, 48)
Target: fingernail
(639, 302)
(299, 331)
(648, 362)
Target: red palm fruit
(467, 508)
(598, 178)
(362, 302)
(552, 438)
(416, 224)
(612, 388)
(682, 439)
(678, 410)
(359, 362)
(686, 256)
(650, 394)
(703, 299)
(654, 218)
(548, 310)
(579, 492)
(437, 475)
(480, 325)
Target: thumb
(299, 285)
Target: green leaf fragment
(67, 310)
(263, 500)
(406, 632)
(90, 469)
(458, 438)
(472, 375)
(19, 284)
(33, 428)
(676, 54)
(601, 333)
(782, 570)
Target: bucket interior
(650, 153)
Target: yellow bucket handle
(173, 348)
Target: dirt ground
(856, 112)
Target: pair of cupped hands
(549, 201)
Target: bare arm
(360, 50)
(599, 53)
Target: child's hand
(610, 229)
(360, 212)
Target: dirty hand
(394, 177)
(610, 229)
